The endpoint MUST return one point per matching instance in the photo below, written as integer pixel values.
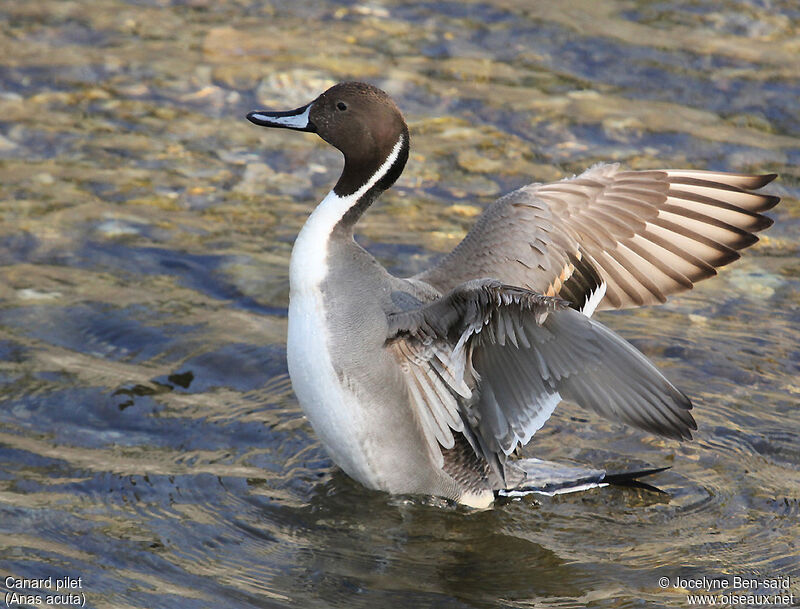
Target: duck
(430, 384)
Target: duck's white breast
(331, 408)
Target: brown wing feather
(648, 234)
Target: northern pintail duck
(428, 384)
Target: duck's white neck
(309, 263)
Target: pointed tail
(549, 478)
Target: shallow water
(150, 443)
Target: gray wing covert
(493, 361)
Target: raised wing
(639, 236)
(493, 361)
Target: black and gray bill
(297, 119)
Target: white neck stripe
(309, 264)
(380, 173)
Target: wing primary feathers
(622, 221)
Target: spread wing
(638, 235)
(493, 361)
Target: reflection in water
(149, 439)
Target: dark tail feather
(631, 479)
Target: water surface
(150, 443)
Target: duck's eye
(341, 106)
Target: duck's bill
(291, 119)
